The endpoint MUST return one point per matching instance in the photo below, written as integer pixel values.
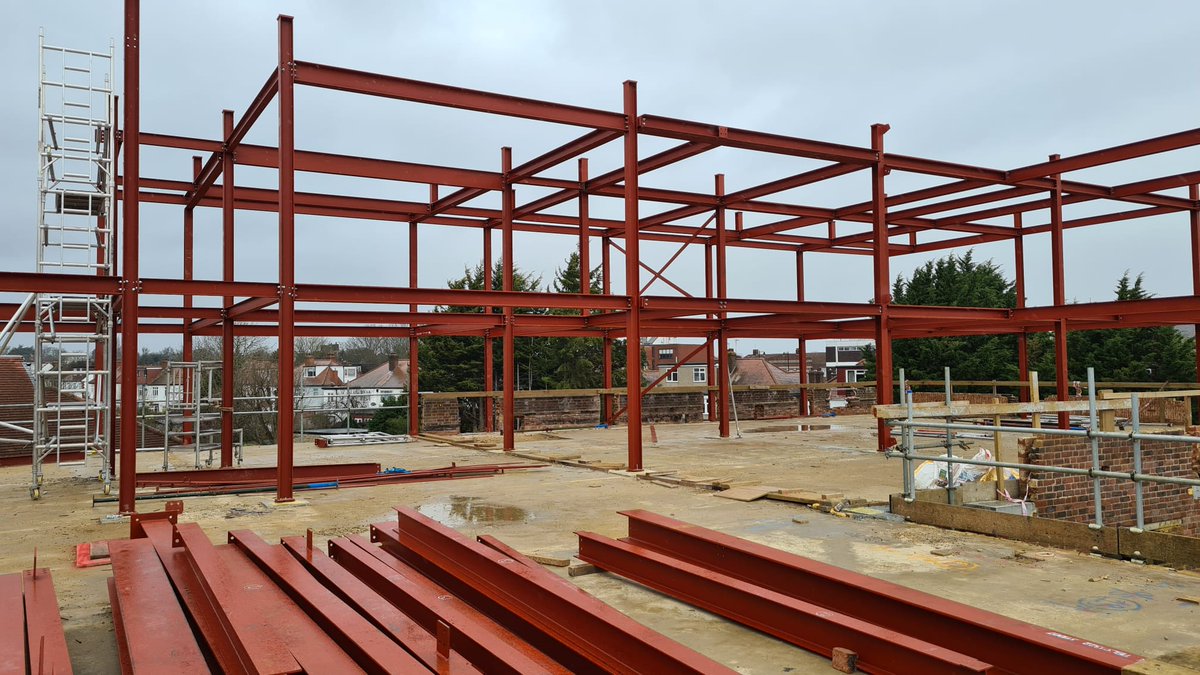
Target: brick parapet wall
(1068, 497)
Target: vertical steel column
(606, 408)
(1194, 220)
(633, 283)
(507, 199)
(1022, 337)
(189, 244)
(1061, 385)
(228, 183)
(585, 260)
(414, 382)
(883, 296)
(489, 365)
(801, 343)
(129, 266)
(285, 398)
(710, 349)
(723, 384)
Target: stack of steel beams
(31, 631)
(428, 600)
(820, 607)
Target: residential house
(153, 387)
(387, 379)
(757, 369)
(321, 382)
(661, 357)
(844, 361)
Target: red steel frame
(992, 200)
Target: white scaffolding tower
(73, 336)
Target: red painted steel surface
(310, 472)
(276, 634)
(1011, 645)
(119, 629)
(218, 639)
(44, 639)
(370, 648)
(812, 627)
(488, 645)
(600, 638)
(155, 630)
(384, 615)
(12, 625)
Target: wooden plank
(896, 412)
(12, 626)
(1112, 395)
(747, 493)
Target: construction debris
(369, 438)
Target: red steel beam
(486, 644)
(130, 212)
(157, 635)
(382, 614)
(255, 474)
(276, 634)
(12, 624)
(45, 642)
(815, 628)
(601, 638)
(370, 648)
(633, 283)
(373, 84)
(1010, 645)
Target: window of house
(666, 354)
(310, 372)
(673, 377)
(855, 375)
(351, 372)
(700, 374)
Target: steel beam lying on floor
(153, 634)
(404, 630)
(12, 624)
(277, 635)
(45, 642)
(368, 646)
(589, 635)
(814, 628)
(1010, 645)
(227, 476)
(488, 645)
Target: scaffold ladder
(73, 333)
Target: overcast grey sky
(993, 84)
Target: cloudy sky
(993, 84)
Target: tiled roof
(383, 377)
(757, 370)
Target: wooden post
(1035, 396)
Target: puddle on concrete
(796, 427)
(458, 511)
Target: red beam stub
(46, 644)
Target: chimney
(392, 360)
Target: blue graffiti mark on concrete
(1116, 600)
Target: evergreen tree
(391, 419)
(1159, 354)
(578, 363)
(954, 281)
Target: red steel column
(414, 380)
(506, 246)
(129, 265)
(606, 409)
(633, 283)
(228, 185)
(710, 350)
(1023, 337)
(1194, 216)
(287, 263)
(883, 295)
(489, 365)
(1061, 385)
(189, 242)
(585, 261)
(723, 384)
(801, 343)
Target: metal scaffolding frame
(73, 331)
(961, 211)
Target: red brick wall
(1066, 497)
(439, 415)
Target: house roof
(758, 370)
(383, 376)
